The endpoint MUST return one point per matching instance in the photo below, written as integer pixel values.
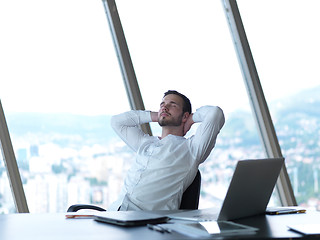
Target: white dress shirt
(164, 168)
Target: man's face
(171, 111)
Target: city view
(66, 159)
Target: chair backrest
(190, 197)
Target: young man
(165, 166)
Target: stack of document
(306, 229)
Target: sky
(58, 56)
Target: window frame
(11, 165)
(257, 99)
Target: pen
(158, 228)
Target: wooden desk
(57, 227)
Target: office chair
(190, 197)
(189, 201)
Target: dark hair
(186, 102)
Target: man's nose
(164, 107)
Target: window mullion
(125, 62)
(11, 166)
(257, 99)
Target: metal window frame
(258, 102)
(124, 58)
(11, 166)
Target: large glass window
(187, 47)
(284, 41)
(60, 82)
(6, 198)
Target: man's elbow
(221, 117)
(217, 116)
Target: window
(6, 199)
(286, 51)
(60, 82)
(183, 46)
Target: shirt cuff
(145, 116)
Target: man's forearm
(154, 116)
(188, 124)
(126, 125)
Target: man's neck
(177, 131)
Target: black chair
(189, 201)
(190, 197)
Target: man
(165, 166)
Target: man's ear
(185, 116)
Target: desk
(57, 227)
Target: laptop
(248, 194)
(130, 218)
